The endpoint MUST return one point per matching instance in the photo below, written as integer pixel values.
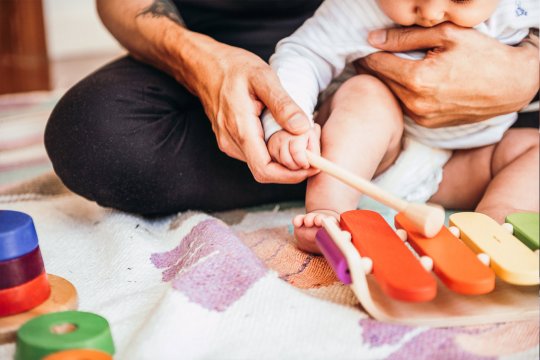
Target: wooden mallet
(427, 218)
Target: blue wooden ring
(17, 234)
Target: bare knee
(514, 144)
(368, 97)
(365, 86)
(377, 102)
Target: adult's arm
(233, 85)
(466, 77)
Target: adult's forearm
(153, 32)
(232, 84)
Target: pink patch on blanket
(274, 246)
(431, 344)
(211, 266)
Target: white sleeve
(308, 60)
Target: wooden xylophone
(484, 274)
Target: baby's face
(427, 13)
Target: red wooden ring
(21, 270)
(24, 297)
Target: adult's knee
(101, 141)
(78, 143)
(97, 162)
(71, 138)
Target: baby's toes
(319, 218)
(298, 220)
(305, 239)
(309, 219)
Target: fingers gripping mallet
(427, 218)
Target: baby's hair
(461, 1)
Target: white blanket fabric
(192, 287)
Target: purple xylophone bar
(334, 256)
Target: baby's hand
(290, 150)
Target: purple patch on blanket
(437, 343)
(377, 333)
(211, 266)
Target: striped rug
(22, 123)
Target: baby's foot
(306, 227)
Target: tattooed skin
(161, 8)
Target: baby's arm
(308, 60)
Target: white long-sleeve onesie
(307, 61)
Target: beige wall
(73, 29)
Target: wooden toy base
(63, 297)
(506, 303)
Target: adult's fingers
(290, 116)
(389, 66)
(265, 170)
(418, 108)
(227, 145)
(411, 38)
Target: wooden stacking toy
(65, 335)
(475, 272)
(25, 288)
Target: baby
(482, 166)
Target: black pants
(130, 137)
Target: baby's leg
(363, 134)
(496, 180)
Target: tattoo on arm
(165, 8)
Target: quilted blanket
(229, 285)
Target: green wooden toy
(526, 228)
(59, 331)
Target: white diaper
(415, 176)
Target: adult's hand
(234, 86)
(465, 77)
